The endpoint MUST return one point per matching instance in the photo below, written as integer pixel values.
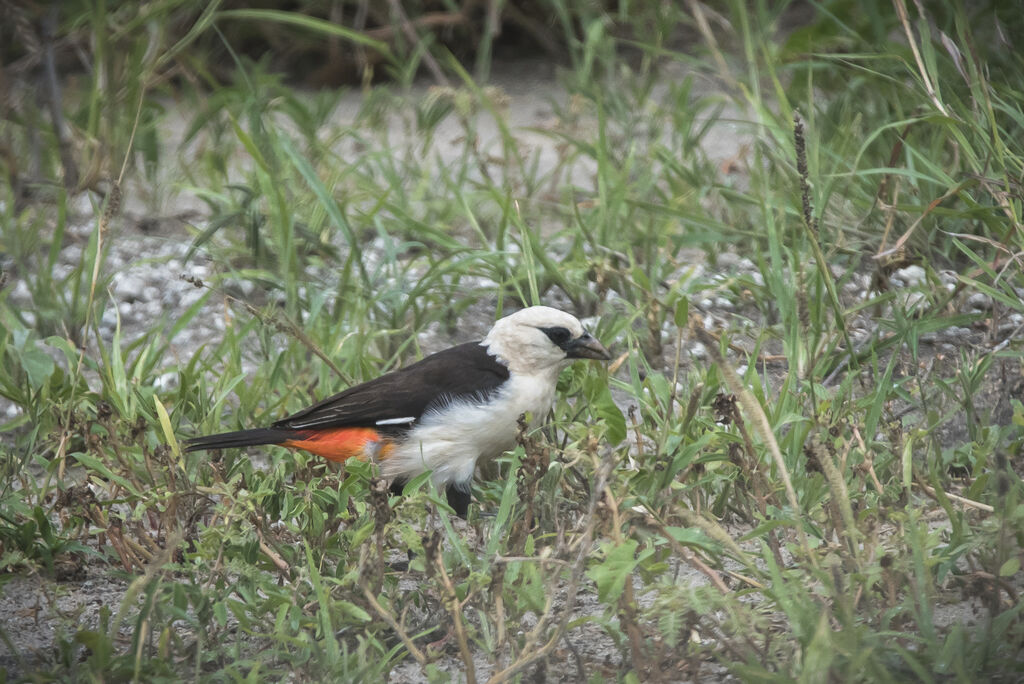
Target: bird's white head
(541, 339)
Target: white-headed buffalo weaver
(440, 414)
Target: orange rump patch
(339, 444)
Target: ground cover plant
(804, 462)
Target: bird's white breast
(450, 439)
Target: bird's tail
(334, 444)
(240, 438)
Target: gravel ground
(147, 251)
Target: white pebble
(21, 291)
(979, 301)
(911, 276)
(910, 300)
(128, 287)
(723, 303)
(166, 381)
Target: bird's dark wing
(400, 398)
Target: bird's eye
(560, 336)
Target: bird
(443, 413)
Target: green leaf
(96, 465)
(764, 528)
(353, 610)
(819, 654)
(92, 640)
(610, 575)
(314, 24)
(608, 412)
(692, 536)
(682, 313)
(165, 426)
(220, 612)
(1010, 567)
(508, 500)
(37, 366)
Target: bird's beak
(587, 347)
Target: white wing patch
(396, 421)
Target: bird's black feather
(463, 371)
(239, 438)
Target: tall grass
(799, 469)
